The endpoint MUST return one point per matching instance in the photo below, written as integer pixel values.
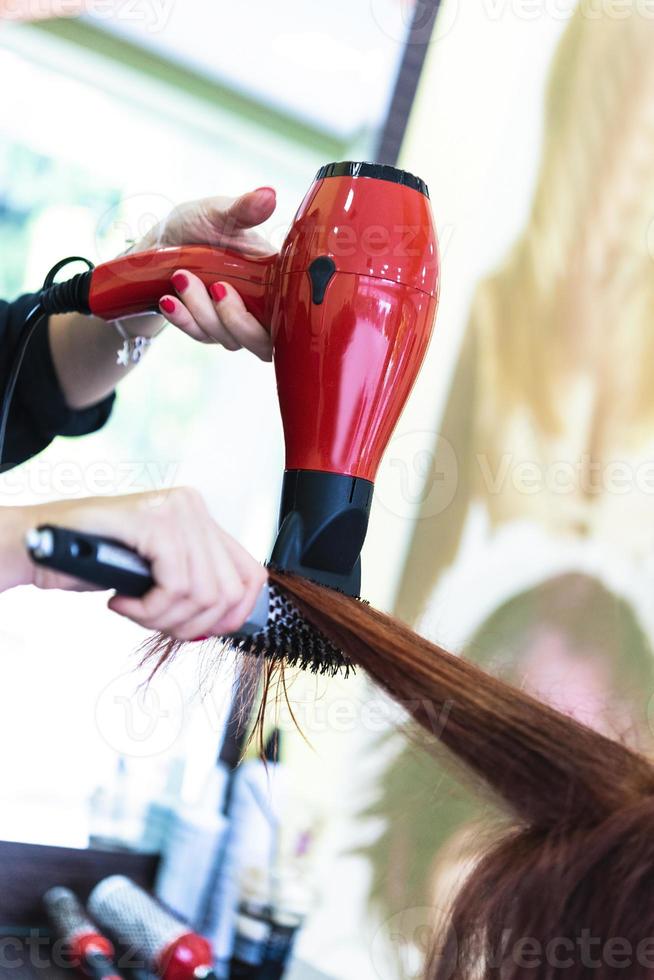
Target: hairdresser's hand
(207, 584)
(217, 315)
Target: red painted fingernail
(180, 282)
(199, 639)
(167, 305)
(217, 291)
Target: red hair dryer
(350, 301)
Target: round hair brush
(289, 637)
(166, 945)
(275, 628)
(88, 948)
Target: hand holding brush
(260, 620)
(200, 581)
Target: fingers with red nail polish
(216, 315)
(194, 313)
(239, 323)
(167, 305)
(180, 281)
(217, 291)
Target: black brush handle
(90, 558)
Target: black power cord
(71, 296)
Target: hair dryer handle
(135, 283)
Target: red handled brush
(86, 946)
(164, 944)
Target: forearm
(84, 352)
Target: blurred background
(512, 519)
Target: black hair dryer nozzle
(322, 527)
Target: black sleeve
(39, 411)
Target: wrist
(144, 325)
(135, 344)
(15, 565)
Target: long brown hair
(426, 815)
(568, 890)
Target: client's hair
(568, 890)
(425, 817)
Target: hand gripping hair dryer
(350, 301)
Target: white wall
(474, 136)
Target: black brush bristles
(288, 638)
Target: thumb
(251, 209)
